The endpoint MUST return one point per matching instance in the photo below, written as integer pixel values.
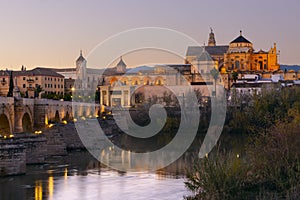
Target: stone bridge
(26, 115)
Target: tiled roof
(204, 56)
(37, 72)
(4, 73)
(212, 50)
(63, 69)
(121, 62)
(217, 50)
(80, 58)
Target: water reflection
(80, 176)
(50, 186)
(38, 190)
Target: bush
(219, 176)
(275, 159)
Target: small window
(36, 78)
(45, 85)
(24, 78)
(24, 85)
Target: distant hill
(290, 67)
(137, 69)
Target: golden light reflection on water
(50, 186)
(38, 190)
(66, 174)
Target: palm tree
(215, 74)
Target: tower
(81, 71)
(121, 66)
(211, 39)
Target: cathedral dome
(240, 39)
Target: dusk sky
(52, 32)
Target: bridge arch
(6, 120)
(56, 116)
(5, 127)
(67, 116)
(26, 123)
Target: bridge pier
(19, 108)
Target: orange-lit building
(241, 57)
(29, 80)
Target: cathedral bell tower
(81, 71)
(211, 40)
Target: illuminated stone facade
(241, 57)
(27, 81)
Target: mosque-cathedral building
(238, 56)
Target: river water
(79, 176)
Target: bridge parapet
(7, 100)
(28, 101)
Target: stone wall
(55, 142)
(36, 150)
(12, 158)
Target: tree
(38, 90)
(235, 76)
(215, 74)
(11, 85)
(167, 98)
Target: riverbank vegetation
(266, 165)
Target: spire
(241, 33)
(211, 40)
(80, 58)
(121, 62)
(121, 66)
